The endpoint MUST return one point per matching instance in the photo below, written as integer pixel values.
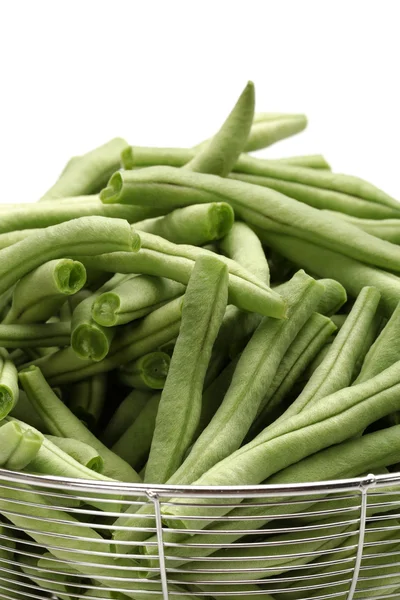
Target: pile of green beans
(197, 316)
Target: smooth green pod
(126, 413)
(80, 451)
(149, 372)
(35, 335)
(9, 391)
(385, 229)
(87, 399)
(242, 245)
(42, 292)
(18, 448)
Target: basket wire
(336, 540)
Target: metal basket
(338, 539)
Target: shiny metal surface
(329, 540)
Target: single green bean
(87, 399)
(17, 447)
(197, 225)
(26, 218)
(149, 372)
(255, 370)
(175, 261)
(126, 413)
(385, 229)
(62, 422)
(134, 341)
(311, 161)
(88, 173)
(81, 452)
(87, 235)
(133, 298)
(334, 419)
(334, 297)
(8, 384)
(59, 583)
(242, 245)
(262, 207)
(134, 444)
(41, 293)
(352, 274)
(32, 335)
(180, 405)
(24, 411)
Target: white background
(76, 73)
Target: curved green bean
(255, 370)
(126, 413)
(134, 444)
(34, 335)
(87, 399)
(242, 245)
(135, 340)
(176, 261)
(197, 225)
(8, 384)
(88, 173)
(180, 404)
(41, 293)
(133, 298)
(24, 411)
(269, 128)
(87, 235)
(61, 422)
(18, 448)
(149, 372)
(334, 297)
(81, 452)
(385, 229)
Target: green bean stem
(8, 384)
(17, 447)
(35, 335)
(126, 413)
(149, 372)
(197, 225)
(180, 404)
(80, 451)
(87, 399)
(61, 422)
(243, 245)
(41, 293)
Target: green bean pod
(8, 384)
(41, 293)
(59, 583)
(61, 422)
(334, 297)
(385, 229)
(34, 335)
(24, 411)
(133, 298)
(88, 173)
(176, 261)
(87, 399)
(87, 235)
(134, 444)
(18, 448)
(81, 452)
(269, 128)
(126, 413)
(149, 372)
(179, 411)
(134, 341)
(242, 245)
(197, 225)
(260, 207)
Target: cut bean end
(105, 308)
(70, 276)
(112, 191)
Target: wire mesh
(69, 539)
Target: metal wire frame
(316, 540)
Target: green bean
(180, 405)
(134, 444)
(311, 161)
(133, 298)
(385, 229)
(175, 261)
(41, 293)
(8, 384)
(34, 335)
(87, 399)
(258, 206)
(334, 297)
(242, 245)
(88, 173)
(197, 225)
(149, 372)
(126, 413)
(62, 422)
(27, 218)
(24, 411)
(310, 339)
(81, 452)
(337, 368)
(255, 370)
(269, 128)
(12, 237)
(57, 582)
(352, 274)
(135, 340)
(336, 418)
(88, 235)
(17, 447)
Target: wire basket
(60, 538)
